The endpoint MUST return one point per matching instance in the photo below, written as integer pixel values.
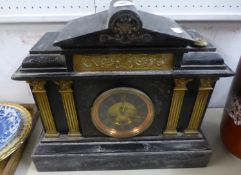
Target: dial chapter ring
(113, 132)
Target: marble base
(74, 154)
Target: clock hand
(123, 106)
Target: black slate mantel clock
(122, 89)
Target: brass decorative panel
(41, 97)
(206, 86)
(122, 62)
(175, 109)
(69, 106)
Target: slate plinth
(66, 154)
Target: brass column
(176, 105)
(69, 106)
(41, 97)
(206, 86)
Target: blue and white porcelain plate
(15, 125)
(10, 122)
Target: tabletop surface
(221, 163)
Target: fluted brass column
(176, 105)
(69, 106)
(41, 97)
(206, 86)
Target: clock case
(64, 91)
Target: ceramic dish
(15, 125)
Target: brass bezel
(23, 133)
(122, 134)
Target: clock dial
(122, 112)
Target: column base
(191, 132)
(50, 135)
(74, 134)
(170, 132)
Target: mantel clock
(122, 89)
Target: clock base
(146, 152)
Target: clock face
(122, 112)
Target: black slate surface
(45, 44)
(114, 154)
(18, 75)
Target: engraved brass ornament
(123, 62)
(125, 28)
(122, 112)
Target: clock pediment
(122, 26)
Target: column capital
(64, 85)
(37, 85)
(207, 82)
(180, 83)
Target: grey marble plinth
(70, 154)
